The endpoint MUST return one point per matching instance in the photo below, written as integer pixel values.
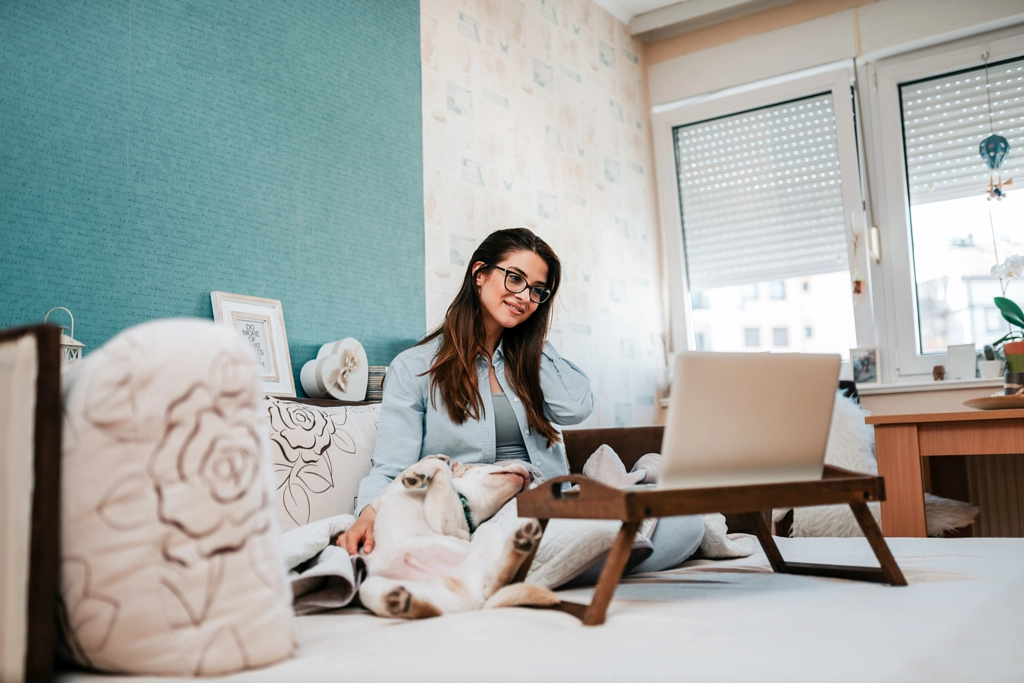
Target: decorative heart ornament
(340, 370)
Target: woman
(486, 385)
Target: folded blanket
(323, 576)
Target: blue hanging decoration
(994, 149)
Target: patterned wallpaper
(534, 114)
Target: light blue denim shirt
(411, 428)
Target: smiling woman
(485, 385)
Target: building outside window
(751, 337)
(777, 290)
(780, 336)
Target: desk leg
(899, 461)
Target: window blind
(944, 121)
(761, 196)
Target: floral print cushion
(319, 455)
(168, 542)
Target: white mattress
(961, 618)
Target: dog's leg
(416, 599)
(442, 508)
(498, 562)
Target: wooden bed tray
(593, 500)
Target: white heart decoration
(339, 371)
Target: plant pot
(990, 369)
(1014, 356)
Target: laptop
(747, 418)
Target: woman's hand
(360, 532)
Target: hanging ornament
(994, 149)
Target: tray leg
(891, 570)
(611, 574)
(764, 536)
(888, 573)
(524, 568)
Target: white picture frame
(864, 365)
(261, 324)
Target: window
(700, 300)
(780, 336)
(808, 332)
(701, 344)
(955, 230)
(763, 209)
(930, 112)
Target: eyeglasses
(516, 283)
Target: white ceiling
(646, 16)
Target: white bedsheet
(960, 619)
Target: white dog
(424, 564)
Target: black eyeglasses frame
(542, 293)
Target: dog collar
(465, 511)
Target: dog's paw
(526, 537)
(414, 480)
(397, 601)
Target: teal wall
(152, 152)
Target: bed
(961, 618)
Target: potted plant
(1013, 341)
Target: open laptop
(747, 418)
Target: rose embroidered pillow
(319, 455)
(168, 552)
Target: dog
(424, 563)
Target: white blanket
(323, 576)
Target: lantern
(70, 349)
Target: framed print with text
(261, 324)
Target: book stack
(375, 383)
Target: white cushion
(319, 455)
(168, 559)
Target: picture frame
(261, 324)
(864, 365)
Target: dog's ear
(458, 469)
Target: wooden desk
(902, 440)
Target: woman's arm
(400, 432)
(568, 399)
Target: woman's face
(499, 304)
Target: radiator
(996, 484)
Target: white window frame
(887, 185)
(835, 78)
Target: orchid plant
(1012, 267)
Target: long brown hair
(454, 375)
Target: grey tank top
(508, 439)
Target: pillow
(318, 457)
(168, 553)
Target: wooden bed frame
(593, 500)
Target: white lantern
(70, 349)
